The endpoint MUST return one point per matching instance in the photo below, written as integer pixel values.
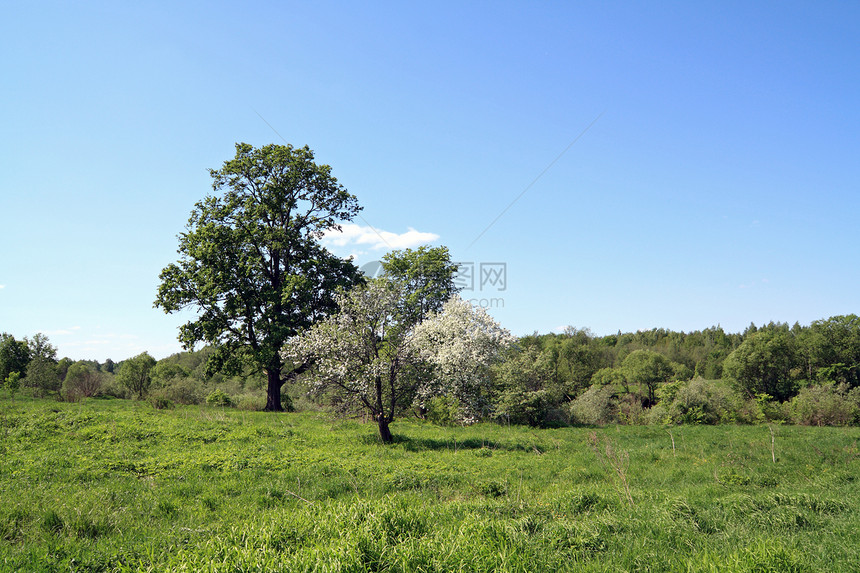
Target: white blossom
(461, 342)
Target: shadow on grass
(431, 444)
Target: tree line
(281, 319)
(804, 374)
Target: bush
(523, 407)
(443, 410)
(111, 388)
(159, 401)
(219, 398)
(186, 391)
(704, 402)
(630, 410)
(82, 381)
(286, 403)
(826, 405)
(597, 405)
(763, 408)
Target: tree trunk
(273, 392)
(384, 432)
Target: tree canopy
(14, 356)
(363, 358)
(461, 343)
(427, 275)
(136, 374)
(250, 262)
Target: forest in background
(776, 372)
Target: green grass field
(117, 486)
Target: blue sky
(717, 183)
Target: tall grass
(119, 486)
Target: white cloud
(376, 239)
(2, 286)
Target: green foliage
(826, 405)
(136, 374)
(160, 402)
(649, 369)
(832, 349)
(428, 276)
(610, 377)
(43, 377)
(182, 391)
(40, 347)
(251, 263)
(597, 405)
(287, 403)
(764, 362)
(519, 406)
(443, 410)
(702, 401)
(14, 355)
(114, 486)
(82, 381)
(219, 398)
(168, 372)
(12, 383)
(526, 392)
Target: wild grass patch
(119, 486)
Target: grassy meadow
(114, 485)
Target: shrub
(443, 410)
(597, 405)
(110, 387)
(82, 381)
(826, 405)
(630, 410)
(523, 407)
(658, 415)
(159, 401)
(12, 383)
(286, 403)
(704, 402)
(219, 398)
(185, 391)
(763, 408)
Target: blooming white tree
(461, 342)
(363, 357)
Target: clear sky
(670, 164)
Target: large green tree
(136, 374)
(763, 363)
(649, 369)
(82, 380)
(427, 275)
(42, 373)
(251, 265)
(14, 355)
